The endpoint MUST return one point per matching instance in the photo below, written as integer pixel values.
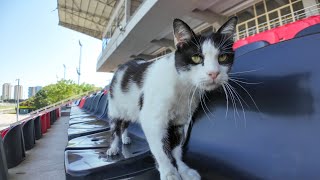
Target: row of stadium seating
(89, 138)
(270, 132)
(21, 137)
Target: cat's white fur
(168, 95)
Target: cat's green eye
(222, 58)
(196, 59)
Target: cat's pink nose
(213, 75)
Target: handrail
(51, 107)
(280, 20)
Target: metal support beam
(113, 16)
(127, 6)
(90, 32)
(208, 16)
(142, 56)
(164, 43)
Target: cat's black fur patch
(116, 130)
(173, 139)
(124, 125)
(134, 73)
(113, 82)
(141, 101)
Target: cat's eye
(196, 59)
(222, 58)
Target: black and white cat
(162, 95)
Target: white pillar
(127, 10)
(310, 11)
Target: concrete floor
(46, 159)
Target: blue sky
(33, 47)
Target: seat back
(3, 162)
(37, 128)
(28, 134)
(14, 146)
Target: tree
(53, 93)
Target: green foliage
(53, 93)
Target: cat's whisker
(191, 100)
(203, 108)
(254, 102)
(233, 102)
(227, 98)
(242, 72)
(204, 102)
(239, 99)
(239, 95)
(226, 46)
(222, 52)
(244, 82)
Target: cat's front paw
(112, 151)
(190, 174)
(126, 140)
(173, 175)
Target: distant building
(32, 91)
(18, 92)
(6, 91)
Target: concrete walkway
(46, 159)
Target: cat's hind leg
(116, 132)
(124, 130)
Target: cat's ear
(229, 27)
(182, 32)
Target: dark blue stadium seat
(3, 162)
(85, 157)
(309, 30)
(37, 128)
(14, 146)
(88, 125)
(280, 138)
(28, 134)
(250, 47)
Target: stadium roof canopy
(86, 16)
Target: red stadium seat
(270, 36)
(83, 100)
(310, 21)
(293, 29)
(43, 124)
(239, 43)
(4, 132)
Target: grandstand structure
(142, 28)
(270, 132)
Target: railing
(50, 107)
(281, 20)
(7, 110)
(117, 24)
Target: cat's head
(204, 60)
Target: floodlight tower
(78, 69)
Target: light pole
(78, 70)
(18, 94)
(64, 72)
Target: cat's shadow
(286, 95)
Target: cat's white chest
(184, 104)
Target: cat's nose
(213, 75)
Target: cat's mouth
(210, 85)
